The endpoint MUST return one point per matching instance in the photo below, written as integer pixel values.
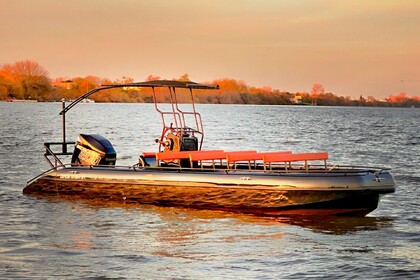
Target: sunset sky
(369, 47)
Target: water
(57, 239)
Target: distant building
(297, 99)
(371, 99)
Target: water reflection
(322, 224)
(339, 225)
(184, 221)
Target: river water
(61, 239)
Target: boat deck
(250, 161)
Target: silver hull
(339, 192)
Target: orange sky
(350, 47)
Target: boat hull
(262, 194)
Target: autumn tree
(401, 97)
(6, 84)
(231, 90)
(152, 77)
(25, 79)
(317, 89)
(184, 78)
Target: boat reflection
(321, 224)
(175, 215)
(339, 225)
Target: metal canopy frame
(178, 116)
(149, 84)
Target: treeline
(28, 80)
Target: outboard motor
(93, 149)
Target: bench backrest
(242, 156)
(183, 154)
(149, 154)
(273, 157)
(172, 155)
(208, 155)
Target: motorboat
(181, 173)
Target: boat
(21, 100)
(181, 173)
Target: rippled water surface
(61, 239)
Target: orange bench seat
(172, 155)
(288, 158)
(234, 157)
(182, 154)
(242, 156)
(216, 155)
(149, 154)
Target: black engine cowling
(93, 149)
